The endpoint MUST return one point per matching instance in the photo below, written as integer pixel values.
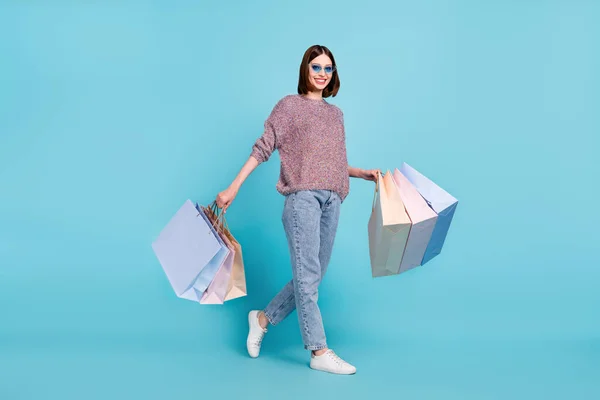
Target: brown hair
(304, 85)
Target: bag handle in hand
(220, 223)
(376, 190)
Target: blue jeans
(310, 219)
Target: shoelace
(259, 339)
(335, 357)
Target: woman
(309, 134)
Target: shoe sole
(332, 372)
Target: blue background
(113, 113)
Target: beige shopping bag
(389, 227)
(237, 282)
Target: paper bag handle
(213, 216)
(376, 190)
(220, 223)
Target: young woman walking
(314, 177)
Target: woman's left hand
(370, 174)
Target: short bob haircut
(304, 85)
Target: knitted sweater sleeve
(276, 126)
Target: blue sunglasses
(318, 67)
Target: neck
(315, 95)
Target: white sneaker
(330, 362)
(255, 334)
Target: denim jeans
(310, 219)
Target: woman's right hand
(225, 198)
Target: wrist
(235, 186)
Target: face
(320, 77)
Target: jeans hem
(270, 318)
(315, 347)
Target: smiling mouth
(320, 81)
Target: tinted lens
(316, 68)
(328, 69)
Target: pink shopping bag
(229, 282)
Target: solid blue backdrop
(112, 114)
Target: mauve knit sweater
(310, 137)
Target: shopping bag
(207, 275)
(422, 219)
(440, 201)
(389, 227)
(236, 287)
(185, 248)
(217, 290)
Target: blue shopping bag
(442, 202)
(186, 248)
(208, 273)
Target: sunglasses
(318, 67)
